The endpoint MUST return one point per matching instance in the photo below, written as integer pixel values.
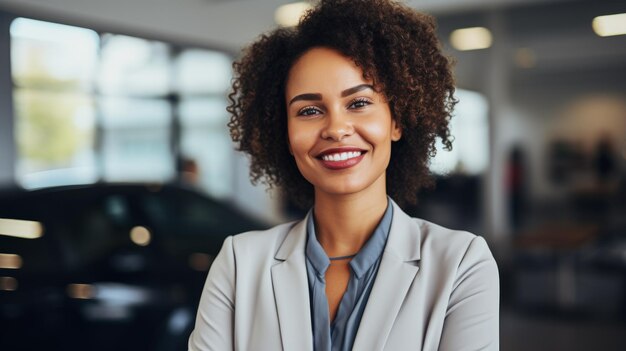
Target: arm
(215, 318)
(472, 318)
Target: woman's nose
(338, 126)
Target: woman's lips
(336, 159)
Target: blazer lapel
(398, 268)
(291, 291)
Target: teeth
(341, 156)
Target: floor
(520, 332)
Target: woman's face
(340, 130)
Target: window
(111, 107)
(470, 128)
(55, 119)
(204, 135)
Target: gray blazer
(436, 289)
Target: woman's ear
(396, 131)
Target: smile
(341, 156)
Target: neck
(344, 223)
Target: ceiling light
(610, 25)
(140, 235)
(20, 229)
(289, 15)
(80, 291)
(10, 261)
(8, 283)
(473, 38)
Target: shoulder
(442, 238)
(437, 248)
(416, 239)
(261, 242)
(456, 251)
(450, 247)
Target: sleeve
(472, 318)
(214, 329)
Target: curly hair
(395, 46)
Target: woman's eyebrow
(306, 97)
(318, 97)
(356, 89)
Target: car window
(187, 210)
(95, 225)
(187, 222)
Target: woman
(341, 112)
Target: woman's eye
(359, 103)
(308, 111)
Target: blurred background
(119, 182)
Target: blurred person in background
(605, 159)
(342, 112)
(516, 179)
(188, 171)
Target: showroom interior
(118, 173)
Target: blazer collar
(396, 273)
(291, 291)
(295, 241)
(405, 236)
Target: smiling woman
(342, 112)
(339, 128)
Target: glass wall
(100, 106)
(470, 128)
(53, 67)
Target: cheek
(377, 134)
(378, 126)
(299, 139)
(300, 144)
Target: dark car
(107, 267)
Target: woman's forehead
(322, 69)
